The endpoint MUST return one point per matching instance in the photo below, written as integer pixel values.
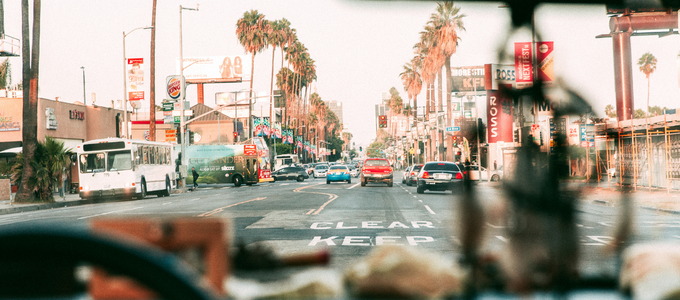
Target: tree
(647, 65)
(5, 74)
(48, 163)
(639, 114)
(30, 68)
(276, 39)
(446, 23)
(252, 31)
(609, 111)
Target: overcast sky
(359, 48)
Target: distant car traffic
(413, 175)
(407, 172)
(290, 173)
(320, 170)
(439, 176)
(377, 170)
(338, 173)
(354, 172)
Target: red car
(377, 170)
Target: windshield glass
(321, 167)
(92, 162)
(441, 166)
(338, 168)
(377, 162)
(119, 160)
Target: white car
(354, 172)
(320, 170)
(495, 175)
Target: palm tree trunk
(439, 109)
(152, 78)
(30, 102)
(250, 93)
(271, 108)
(449, 139)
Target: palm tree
(275, 39)
(30, 68)
(5, 74)
(252, 31)
(48, 163)
(446, 22)
(647, 65)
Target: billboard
(467, 79)
(134, 74)
(223, 67)
(499, 117)
(544, 59)
(524, 69)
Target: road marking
(495, 226)
(284, 184)
(227, 187)
(216, 210)
(600, 239)
(111, 212)
(194, 199)
(310, 211)
(608, 224)
(677, 236)
(331, 196)
(166, 203)
(421, 201)
(429, 209)
(351, 187)
(502, 238)
(415, 197)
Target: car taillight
(459, 176)
(425, 175)
(413, 173)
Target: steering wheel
(158, 271)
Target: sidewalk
(606, 194)
(8, 207)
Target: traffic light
(360, 149)
(190, 134)
(382, 121)
(235, 136)
(515, 136)
(455, 141)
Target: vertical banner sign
(499, 117)
(135, 79)
(544, 59)
(266, 128)
(277, 130)
(258, 123)
(290, 136)
(523, 67)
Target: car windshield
(566, 113)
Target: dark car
(439, 176)
(412, 177)
(290, 173)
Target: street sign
(178, 119)
(453, 128)
(187, 112)
(168, 119)
(168, 106)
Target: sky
(360, 48)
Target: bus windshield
(92, 162)
(119, 160)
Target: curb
(27, 208)
(670, 211)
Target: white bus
(116, 167)
(284, 160)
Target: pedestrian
(495, 166)
(195, 175)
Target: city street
(349, 220)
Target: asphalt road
(350, 220)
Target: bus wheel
(166, 193)
(238, 181)
(143, 194)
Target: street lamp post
(181, 106)
(84, 98)
(125, 92)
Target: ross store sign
(77, 115)
(6, 123)
(499, 117)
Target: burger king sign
(174, 89)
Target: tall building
(335, 107)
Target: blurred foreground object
(652, 271)
(315, 283)
(257, 256)
(206, 236)
(400, 272)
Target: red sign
(136, 96)
(523, 66)
(544, 59)
(249, 150)
(174, 88)
(135, 61)
(499, 116)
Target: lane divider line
(502, 238)
(429, 209)
(216, 210)
(111, 212)
(351, 187)
(310, 211)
